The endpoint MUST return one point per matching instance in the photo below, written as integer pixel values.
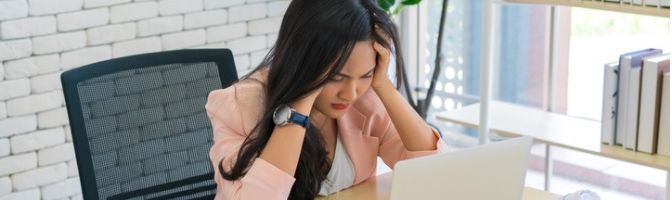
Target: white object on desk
(492, 171)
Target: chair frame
(70, 78)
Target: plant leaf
(386, 4)
(410, 2)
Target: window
(585, 39)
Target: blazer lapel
(361, 149)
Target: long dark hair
(315, 39)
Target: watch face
(281, 114)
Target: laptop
(493, 171)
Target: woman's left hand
(380, 78)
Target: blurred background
(39, 39)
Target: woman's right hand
(305, 104)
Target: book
(653, 69)
(609, 95)
(652, 3)
(664, 123)
(632, 117)
(627, 62)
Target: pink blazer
(365, 130)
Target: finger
(382, 51)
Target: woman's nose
(348, 91)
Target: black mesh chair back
(139, 125)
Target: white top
(342, 172)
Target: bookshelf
(552, 129)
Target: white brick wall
(256, 57)
(62, 189)
(33, 194)
(39, 39)
(11, 9)
(145, 45)
(32, 66)
(53, 118)
(203, 19)
(59, 42)
(83, 19)
(45, 83)
(3, 110)
(112, 33)
(14, 88)
(17, 163)
(4, 147)
(227, 32)
(43, 7)
(277, 8)
(212, 4)
(135, 11)
(157, 26)
(263, 26)
(34, 103)
(247, 45)
(171, 7)
(57, 154)
(12, 49)
(40, 176)
(72, 168)
(37, 140)
(85, 56)
(28, 27)
(5, 186)
(183, 39)
(247, 12)
(15, 125)
(98, 3)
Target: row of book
(636, 102)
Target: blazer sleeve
(392, 149)
(263, 180)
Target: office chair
(139, 125)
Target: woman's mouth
(339, 106)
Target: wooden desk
(379, 188)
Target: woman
(314, 115)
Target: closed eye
(368, 75)
(337, 78)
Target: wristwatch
(284, 114)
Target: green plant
(389, 4)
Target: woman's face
(350, 83)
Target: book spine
(630, 141)
(609, 95)
(621, 102)
(664, 123)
